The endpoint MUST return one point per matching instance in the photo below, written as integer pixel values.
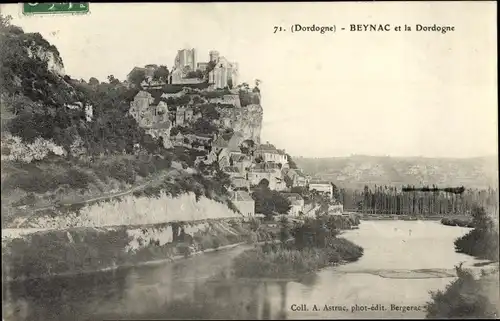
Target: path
(133, 189)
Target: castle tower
(186, 58)
(214, 55)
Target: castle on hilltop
(221, 72)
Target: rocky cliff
(246, 120)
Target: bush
(455, 221)
(482, 241)
(461, 299)
(51, 253)
(274, 260)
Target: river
(402, 262)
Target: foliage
(391, 200)
(291, 162)
(93, 81)
(46, 94)
(270, 202)
(112, 80)
(137, 76)
(204, 127)
(59, 252)
(279, 261)
(457, 221)
(14, 150)
(462, 298)
(209, 112)
(195, 74)
(161, 73)
(482, 241)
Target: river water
(402, 262)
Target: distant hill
(357, 171)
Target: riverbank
(205, 287)
(314, 245)
(458, 221)
(46, 254)
(384, 217)
(469, 296)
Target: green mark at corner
(55, 7)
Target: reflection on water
(203, 287)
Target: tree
(203, 126)
(291, 162)
(209, 112)
(195, 74)
(112, 80)
(222, 178)
(137, 76)
(161, 73)
(93, 81)
(269, 202)
(263, 183)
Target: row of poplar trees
(410, 201)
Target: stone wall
(131, 210)
(227, 99)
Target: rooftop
(164, 125)
(295, 196)
(231, 169)
(242, 196)
(319, 182)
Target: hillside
(357, 171)
(66, 141)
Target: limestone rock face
(54, 63)
(246, 120)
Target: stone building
(225, 73)
(323, 187)
(244, 202)
(269, 153)
(152, 115)
(276, 182)
(297, 203)
(185, 60)
(183, 115)
(296, 177)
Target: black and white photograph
(240, 160)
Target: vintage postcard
(239, 160)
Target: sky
(324, 95)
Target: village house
(200, 141)
(151, 113)
(323, 187)
(223, 158)
(297, 203)
(336, 209)
(181, 140)
(161, 130)
(240, 182)
(269, 153)
(183, 115)
(242, 162)
(219, 144)
(231, 171)
(276, 182)
(244, 203)
(296, 177)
